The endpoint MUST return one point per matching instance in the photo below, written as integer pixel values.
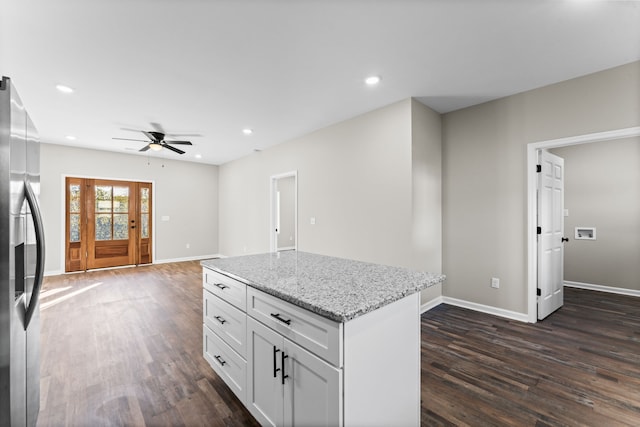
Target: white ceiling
(287, 67)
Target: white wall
(484, 175)
(426, 193)
(602, 189)
(356, 178)
(184, 191)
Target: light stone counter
(336, 288)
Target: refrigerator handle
(37, 222)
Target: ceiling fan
(156, 140)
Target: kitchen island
(305, 339)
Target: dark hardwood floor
(578, 367)
(126, 350)
(124, 347)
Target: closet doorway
(108, 223)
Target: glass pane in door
(144, 200)
(103, 226)
(120, 199)
(103, 198)
(144, 226)
(74, 198)
(120, 226)
(74, 228)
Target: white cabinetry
(224, 329)
(288, 385)
(292, 367)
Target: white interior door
(550, 233)
(284, 212)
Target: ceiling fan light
(155, 146)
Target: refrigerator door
(17, 212)
(21, 262)
(34, 272)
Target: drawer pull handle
(220, 319)
(284, 356)
(275, 369)
(221, 361)
(221, 286)
(277, 316)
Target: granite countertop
(336, 288)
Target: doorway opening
(108, 223)
(532, 201)
(283, 226)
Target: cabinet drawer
(230, 290)
(321, 336)
(226, 321)
(226, 362)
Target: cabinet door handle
(221, 361)
(277, 316)
(221, 286)
(220, 319)
(284, 356)
(275, 369)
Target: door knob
(565, 239)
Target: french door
(108, 223)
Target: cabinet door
(264, 381)
(312, 391)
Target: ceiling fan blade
(179, 142)
(167, 146)
(145, 148)
(182, 134)
(129, 139)
(151, 136)
(157, 127)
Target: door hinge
(538, 230)
(538, 168)
(538, 292)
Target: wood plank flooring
(578, 367)
(124, 348)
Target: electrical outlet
(188, 245)
(495, 282)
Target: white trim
(532, 204)
(190, 258)
(163, 261)
(602, 288)
(272, 215)
(431, 304)
(521, 317)
(53, 273)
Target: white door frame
(272, 207)
(532, 203)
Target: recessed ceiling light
(198, 156)
(372, 80)
(247, 131)
(64, 89)
(71, 137)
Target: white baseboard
(157, 261)
(194, 258)
(53, 273)
(602, 288)
(486, 309)
(431, 304)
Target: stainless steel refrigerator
(21, 262)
